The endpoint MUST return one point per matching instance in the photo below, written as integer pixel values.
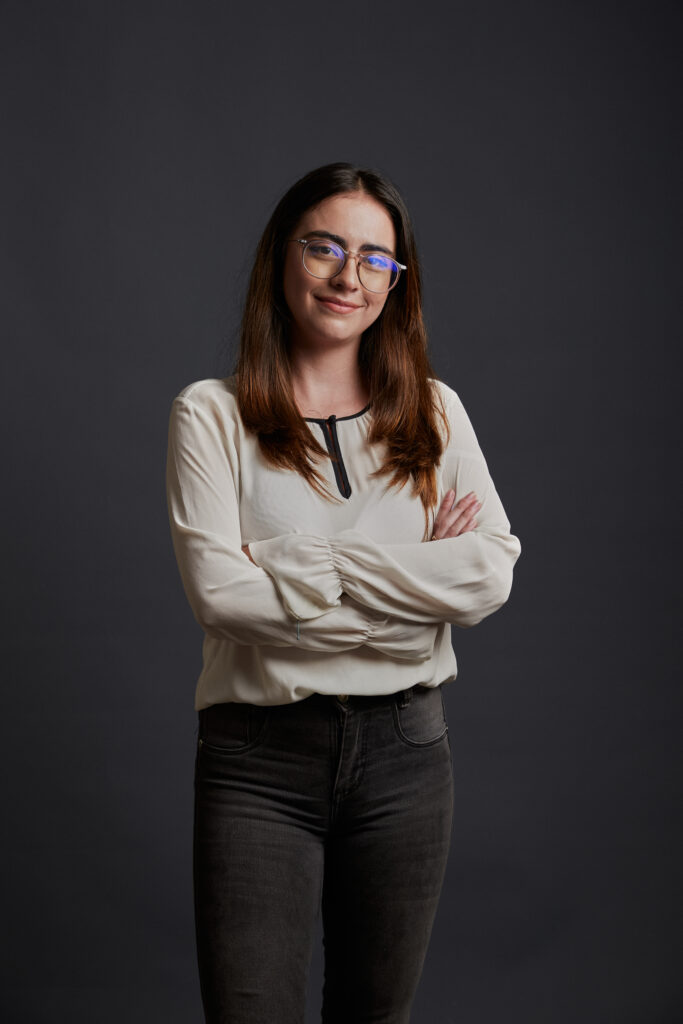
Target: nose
(347, 277)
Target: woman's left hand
(454, 518)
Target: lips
(336, 305)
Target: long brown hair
(406, 411)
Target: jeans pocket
(232, 728)
(421, 721)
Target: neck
(327, 383)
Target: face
(336, 311)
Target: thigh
(257, 872)
(385, 864)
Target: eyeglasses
(324, 258)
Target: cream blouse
(345, 597)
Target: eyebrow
(344, 244)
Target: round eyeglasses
(324, 258)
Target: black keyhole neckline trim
(337, 419)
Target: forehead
(354, 216)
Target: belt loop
(405, 697)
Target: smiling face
(336, 311)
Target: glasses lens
(323, 258)
(377, 272)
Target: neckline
(337, 419)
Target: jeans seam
(417, 743)
(360, 772)
(244, 747)
(340, 794)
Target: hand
(247, 552)
(454, 519)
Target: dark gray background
(538, 146)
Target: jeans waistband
(401, 697)
(356, 701)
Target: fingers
(464, 520)
(455, 519)
(247, 552)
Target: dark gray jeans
(344, 803)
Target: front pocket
(422, 721)
(232, 728)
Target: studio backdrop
(538, 147)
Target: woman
(301, 493)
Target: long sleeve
(231, 597)
(458, 580)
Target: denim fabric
(344, 804)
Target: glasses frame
(360, 256)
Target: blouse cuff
(303, 572)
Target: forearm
(242, 605)
(247, 610)
(459, 580)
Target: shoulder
(446, 395)
(449, 400)
(215, 396)
(209, 408)
(462, 436)
(211, 390)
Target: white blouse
(346, 597)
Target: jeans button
(343, 697)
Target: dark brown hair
(407, 415)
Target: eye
(325, 250)
(376, 261)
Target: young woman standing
(332, 516)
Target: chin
(329, 334)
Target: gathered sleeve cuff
(303, 570)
